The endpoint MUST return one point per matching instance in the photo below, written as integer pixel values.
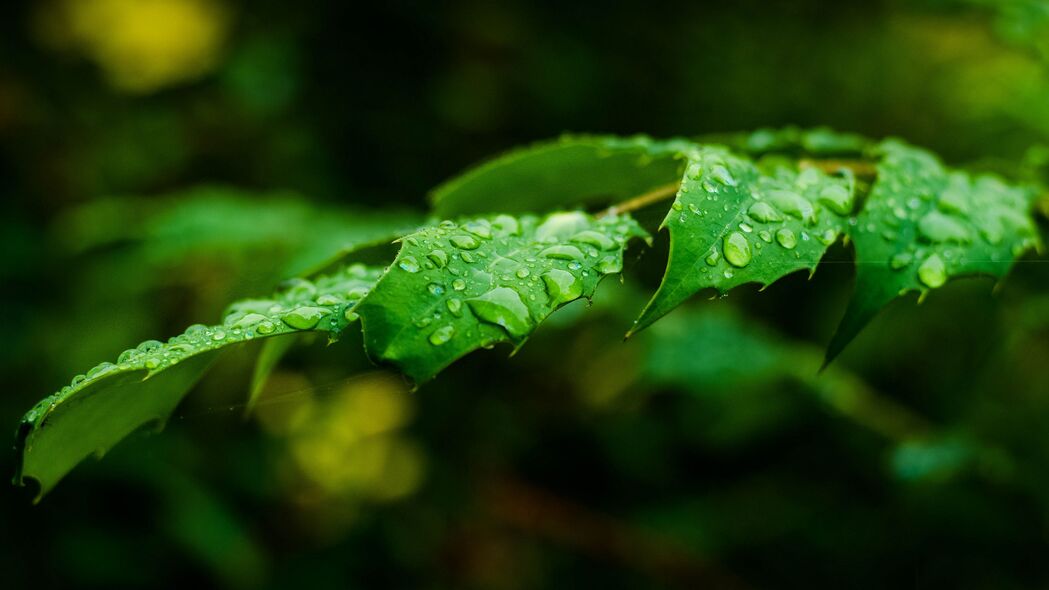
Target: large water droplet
(562, 252)
(409, 264)
(438, 257)
(594, 238)
(459, 284)
(937, 227)
(304, 318)
(793, 204)
(722, 175)
(764, 213)
(933, 272)
(464, 242)
(442, 335)
(455, 306)
(507, 225)
(562, 286)
(503, 307)
(559, 226)
(265, 327)
(480, 228)
(609, 265)
(900, 260)
(737, 249)
(836, 198)
(786, 238)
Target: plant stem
(861, 168)
(660, 193)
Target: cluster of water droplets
(938, 221)
(508, 272)
(325, 303)
(782, 210)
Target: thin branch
(861, 168)
(660, 193)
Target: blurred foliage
(706, 452)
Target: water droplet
(676, 206)
(464, 242)
(562, 286)
(764, 213)
(933, 272)
(609, 265)
(828, 236)
(503, 307)
(304, 318)
(329, 299)
(480, 228)
(722, 175)
(793, 204)
(786, 238)
(937, 227)
(746, 228)
(218, 335)
(409, 264)
(349, 315)
(594, 238)
(149, 345)
(900, 260)
(435, 289)
(837, 198)
(442, 335)
(467, 257)
(559, 226)
(737, 249)
(438, 257)
(522, 273)
(459, 284)
(505, 224)
(265, 327)
(455, 306)
(765, 235)
(562, 252)
(712, 258)
(728, 274)
(100, 369)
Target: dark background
(705, 453)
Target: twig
(660, 193)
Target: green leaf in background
(733, 223)
(569, 172)
(294, 234)
(457, 287)
(112, 400)
(924, 224)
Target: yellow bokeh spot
(142, 45)
(349, 442)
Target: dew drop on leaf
(786, 238)
(932, 272)
(737, 249)
(464, 242)
(503, 307)
(442, 335)
(562, 286)
(409, 264)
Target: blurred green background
(159, 158)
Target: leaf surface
(733, 223)
(457, 287)
(565, 173)
(112, 400)
(923, 225)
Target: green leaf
(923, 225)
(569, 172)
(457, 287)
(293, 234)
(733, 223)
(112, 400)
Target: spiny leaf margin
(457, 287)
